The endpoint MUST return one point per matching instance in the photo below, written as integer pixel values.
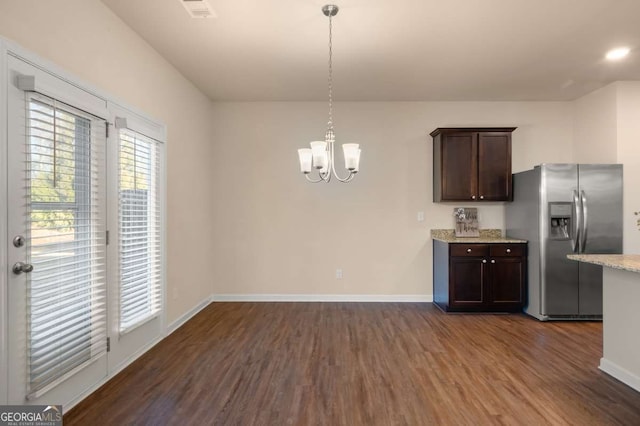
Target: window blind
(139, 229)
(66, 291)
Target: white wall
(595, 127)
(277, 234)
(88, 40)
(628, 152)
(607, 130)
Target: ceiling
(403, 50)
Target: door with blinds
(136, 149)
(57, 284)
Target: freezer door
(559, 278)
(600, 189)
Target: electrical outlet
(338, 274)
(420, 216)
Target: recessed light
(616, 54)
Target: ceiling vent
(199, 8)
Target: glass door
(57, 225)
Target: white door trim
(4, 240)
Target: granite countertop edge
(625, 262)
(487, 236)
(480, 240)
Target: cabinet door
(494, 166)
(506, 285)
(466, 282)
(459, 166)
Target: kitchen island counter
(620, 314)
(626, 262)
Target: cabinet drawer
(458, 249)
(507, 250)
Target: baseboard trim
(187, 316)
(124, 364)
(622, 374)
(322, 298)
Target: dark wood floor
(365, 364)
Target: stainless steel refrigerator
(562, 209)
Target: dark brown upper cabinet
(472, 164)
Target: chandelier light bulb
(351, 155)
(357, 164)
(319, 153)
(305, 157)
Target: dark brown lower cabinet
(479, 277)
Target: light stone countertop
(487, 236)
(626, 262)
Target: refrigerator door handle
(585, 215)
(577, 214)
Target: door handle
(575, 239)
(585, 216)
(20, 267)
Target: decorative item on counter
(466, 222)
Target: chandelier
(321, 155)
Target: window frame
(122, 117)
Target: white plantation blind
(139, 229)
(66, 291)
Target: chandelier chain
(330, 78)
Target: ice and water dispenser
(560, 219)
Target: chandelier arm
(313, 180)
(346, 179)
(349, 179)
(322, 177)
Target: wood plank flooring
(365, 364)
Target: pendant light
(321, 155)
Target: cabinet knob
(473, 197)
(469, 250)
(493, 261)
(484, 260)
(482, 197)
(508, 250)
